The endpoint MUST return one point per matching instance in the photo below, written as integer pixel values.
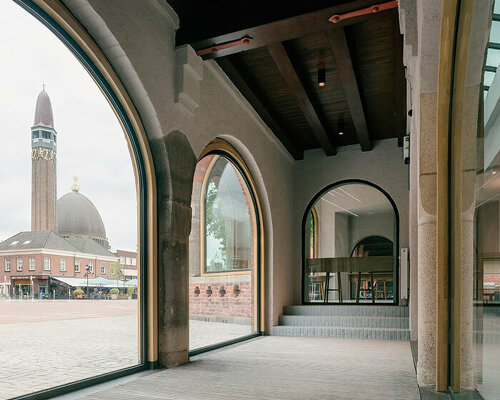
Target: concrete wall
(178, 94)
(174, 90)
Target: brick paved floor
(284, 368)
(48, 343)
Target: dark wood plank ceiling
(365, 92)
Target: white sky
(91, 143)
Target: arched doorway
(350, 242)
(225, 251)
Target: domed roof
(77, 216)
(43, 110)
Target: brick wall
(230, 304)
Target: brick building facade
(29, 259)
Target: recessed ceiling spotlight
(321, 72)
(321, 77)
(341, 127)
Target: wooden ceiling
(277, 71)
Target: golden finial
(75, 187)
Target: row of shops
(62, 287)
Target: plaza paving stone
(49, 343)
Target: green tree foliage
(116, 271)
(214, 221)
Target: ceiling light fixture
(341, 126)
(321, 72)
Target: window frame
(62, 265)
(76, 264)
(76, 39)
(254, 218)
(7, 265)
(223, 148)
(46, 263)
(397, 248)
(32, 264)
(19, 264)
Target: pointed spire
(75, 187)
(43, 110)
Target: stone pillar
(420, 23)
(175, 163)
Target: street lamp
(87, 269)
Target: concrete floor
(284, 368)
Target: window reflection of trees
(229, 216)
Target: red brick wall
(492, 278)
(228, 305)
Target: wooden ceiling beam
(284, 64)
(278, 31)
(399, 83)
(343, 61)
(257, 101)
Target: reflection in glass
(484, 188)
(68, 307)
(228, 219)
(222, 254)
(349, 246)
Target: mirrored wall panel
(349, 245)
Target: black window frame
(32, 8)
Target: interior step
(348, 310)
(345, 321)
(342, 332)
(376, 322)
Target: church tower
(43, 166)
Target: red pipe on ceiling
(364, 11)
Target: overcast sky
(91, 143)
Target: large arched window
(350, 246)
(81, 240)
(228, 220)
(224, 253)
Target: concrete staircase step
(347, 310)
(342, 332)
(345, 321)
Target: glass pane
(482, 246)
(493, 57)
(223, 254)
(59, 265)
(349, 242)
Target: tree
(116, 272)
(215, 223)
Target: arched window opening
(71, 215)
(350, 243)
(224, 254)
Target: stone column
(175, 163)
